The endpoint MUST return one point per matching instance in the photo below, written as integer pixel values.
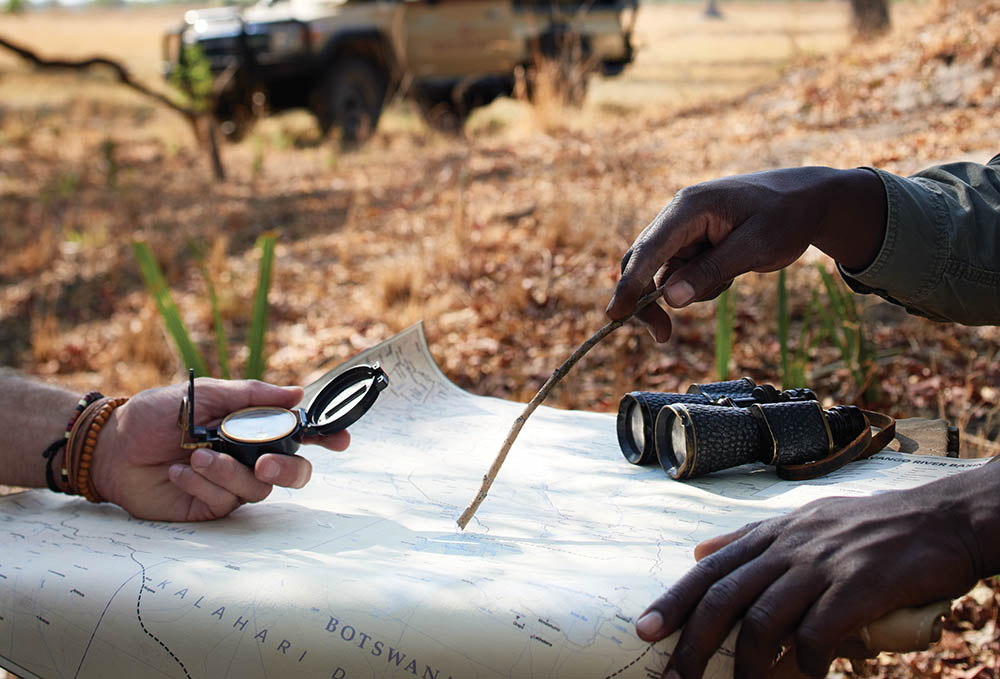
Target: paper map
(364, 573)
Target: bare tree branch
(125, 78)
(559, 373)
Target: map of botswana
(364, 572)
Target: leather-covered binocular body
(726, 424)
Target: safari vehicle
(344, 59)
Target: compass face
(259, 425)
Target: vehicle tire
(350, 97)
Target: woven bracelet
(50, 453)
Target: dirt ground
(504, 242)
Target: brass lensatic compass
(251, 432)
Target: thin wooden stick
(559, 373)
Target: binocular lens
(636, 426)
(636, 417)
(673, 429)
(635, 429)
(693, 439)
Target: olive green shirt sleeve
(941, 254)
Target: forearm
(979, 504)
(32, 416)
(940, 254)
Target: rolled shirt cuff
(914, 252)
(940, 256)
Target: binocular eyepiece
(726, 424)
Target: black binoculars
(726, 424)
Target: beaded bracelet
(80, 469)
(50, 453)
(74, 444)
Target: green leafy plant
(843, 325)
(258, 319)
(784, 326)
(156, 283)
(723, 332)
(193, 77)
(794, 358)
(834, 317)
(221, 345)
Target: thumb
(216, 398)
(712, 545)
(708, 273)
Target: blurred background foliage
(505, 240)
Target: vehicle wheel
(350, 98)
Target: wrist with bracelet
(59, 445)
(79, 442)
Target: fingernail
(174, 471)
(679, 293)
(650, 624)
(672, 674)
(268, 470)
(202, 458)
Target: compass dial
(259, 425)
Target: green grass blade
(783, 326)
(808, 335)
(838, 301)
(221, 344)
(723, 334)
(258, 320)
(834, 313)
(847, 332)
(152, 276)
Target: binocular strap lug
(863, 446)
